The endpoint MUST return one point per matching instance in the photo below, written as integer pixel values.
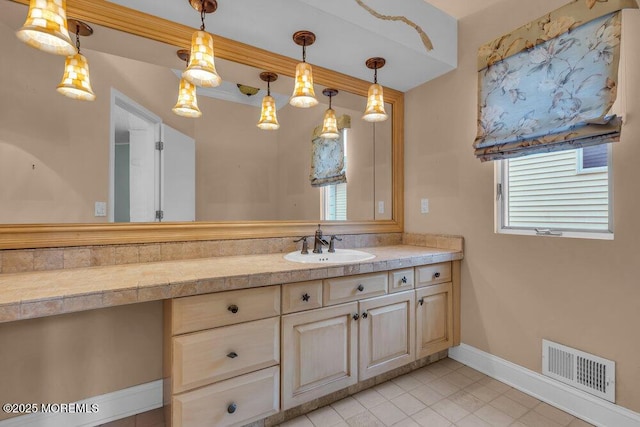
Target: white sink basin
(338, 257)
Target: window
(593, 159)
(333, 198)
(565, 193)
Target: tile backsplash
(23, 260)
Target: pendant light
(75, 81)
(303, 94)
(187, 105)
(46, 27)
(201, 70)
(330, 124)
(375, 99)
(268, 118)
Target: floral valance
(550, 85)
(327, 157)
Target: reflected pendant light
(375, 99)
(268, 118)
(330, 124)
(201, 70)
(187, 105)
(303, 94)
(75, 81)
(46, 27)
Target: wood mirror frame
(101, 12)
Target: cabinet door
(387, 331)
(319, 353)
(434, 319)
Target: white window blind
(545, 191)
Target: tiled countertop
(47, 293)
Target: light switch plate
(100, 209)
(381, 207)
(424, 206)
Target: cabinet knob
(436, 274)
(232, 408)
(364, 315)
(404, 279)
(232, 355)
(356, 316)
(233, 308)
(360, 288)
(421, 301)
(305, 297)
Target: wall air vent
(581, 370)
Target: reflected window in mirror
(333, 198)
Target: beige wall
(518, 290)
(75, 356)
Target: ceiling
(347, 33)
(462, 8)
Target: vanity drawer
(352, 288)
(201, 312)
(432, 274)
(400, 280)
(301, 296)
(234, 402)
(205, 357)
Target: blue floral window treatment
(327, 156)
(554, 92)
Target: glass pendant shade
(75, 81)
(201, 70)
(303, 94)
(268, 118)
(330, 125)
(46, 27)
(187, 105)
(375, 105)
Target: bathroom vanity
(253, 336)
(237, 356)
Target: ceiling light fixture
(268, 118)
(75, 81)
(303, 94)
(330, 124)
(46, 27)
(187, 105)
(201, 70)
(375, 99)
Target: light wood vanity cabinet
(222, 355)
(223, 362)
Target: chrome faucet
(318, 241)
(305, 245)
(332, 245)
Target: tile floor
(443, 394)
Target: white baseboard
(578, 403)
(111, 406)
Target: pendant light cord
(78, 37)
(268, 87)
(202, 14)
(375, 75)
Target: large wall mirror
(76, 173)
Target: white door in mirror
(340, 256)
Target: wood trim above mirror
(101, 12)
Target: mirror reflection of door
(151, 181)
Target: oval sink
(337, 257)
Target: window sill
(594, 235)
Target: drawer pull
(305, 297)
(356, 316)
(364, 315)
(232, 408)
(232, 355)
(404, 279)
(233, 308)
(436, 274)
(360, 288)
(421, 301)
